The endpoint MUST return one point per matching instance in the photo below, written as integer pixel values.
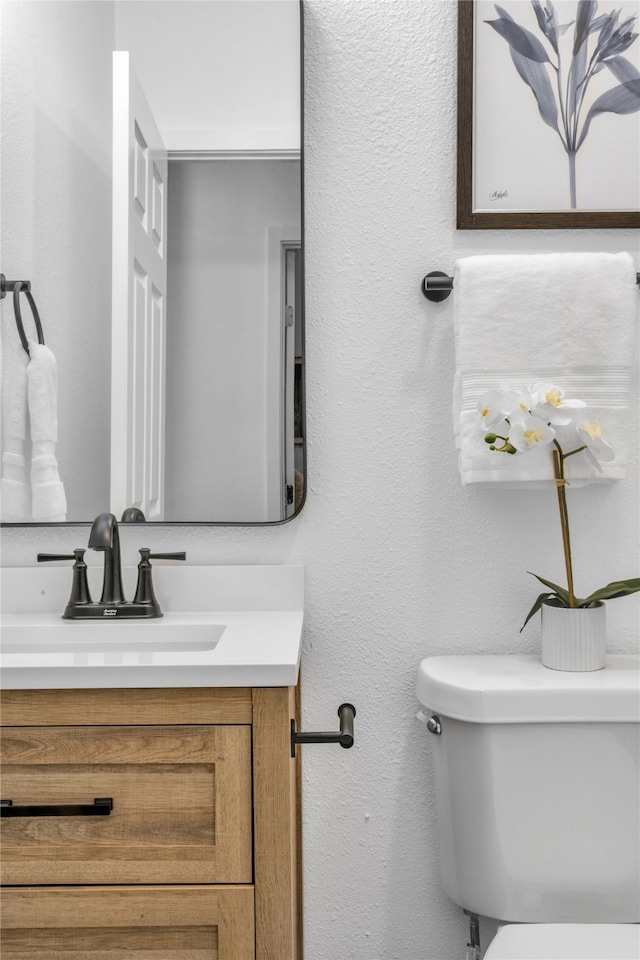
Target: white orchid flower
(590, 432)
(529, 433)
(550, 404)
(493, 407)
(519, 404)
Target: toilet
(537, 783)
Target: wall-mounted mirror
(151, 188)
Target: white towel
(570, 319)
(15, 503)
(48, 501)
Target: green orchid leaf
(534, 609)
(618, 588)
(560, 591)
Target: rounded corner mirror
(152, 181)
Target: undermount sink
(48, 635)
(222, 626)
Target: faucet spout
(104, 537)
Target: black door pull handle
(101, 807)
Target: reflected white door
(139, 296)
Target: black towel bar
(437, 286)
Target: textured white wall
(401, 561)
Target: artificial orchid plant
(521, 420)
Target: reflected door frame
(281, 321)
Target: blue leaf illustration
(561, 110)
(519, 39)
(577, 73)
(620, 41)
(586, 10)
(548, 22)
(622, 99)
(622, 69)
(606, 31)
(545, 22)
(599, 22)
(563, 27)
(536, 77)
(614, 37)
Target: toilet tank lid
(518, 689)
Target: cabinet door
(181, 804)
(135, 923)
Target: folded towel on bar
(47, 490)
(570, 319)
(15, 502)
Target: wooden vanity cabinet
(199, 857)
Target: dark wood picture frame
(501, 219)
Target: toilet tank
(537, 779)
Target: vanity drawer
(161, 923)
(182, 810)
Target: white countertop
(222, 626)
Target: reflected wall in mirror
(152, 195)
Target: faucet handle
(180, 555)
(144, 590)
(42, 557)
(79, 585)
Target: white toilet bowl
(566, 941)
(537, 782)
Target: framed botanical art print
(548, 114)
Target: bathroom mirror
(151, 189)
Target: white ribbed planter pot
(573, 638)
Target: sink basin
(222, 626)
(29, 635)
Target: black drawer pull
(101, 807)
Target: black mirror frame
(303, 398)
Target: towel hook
(18, 287)
(6, 285)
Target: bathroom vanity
(153, 793)
(199, 855)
